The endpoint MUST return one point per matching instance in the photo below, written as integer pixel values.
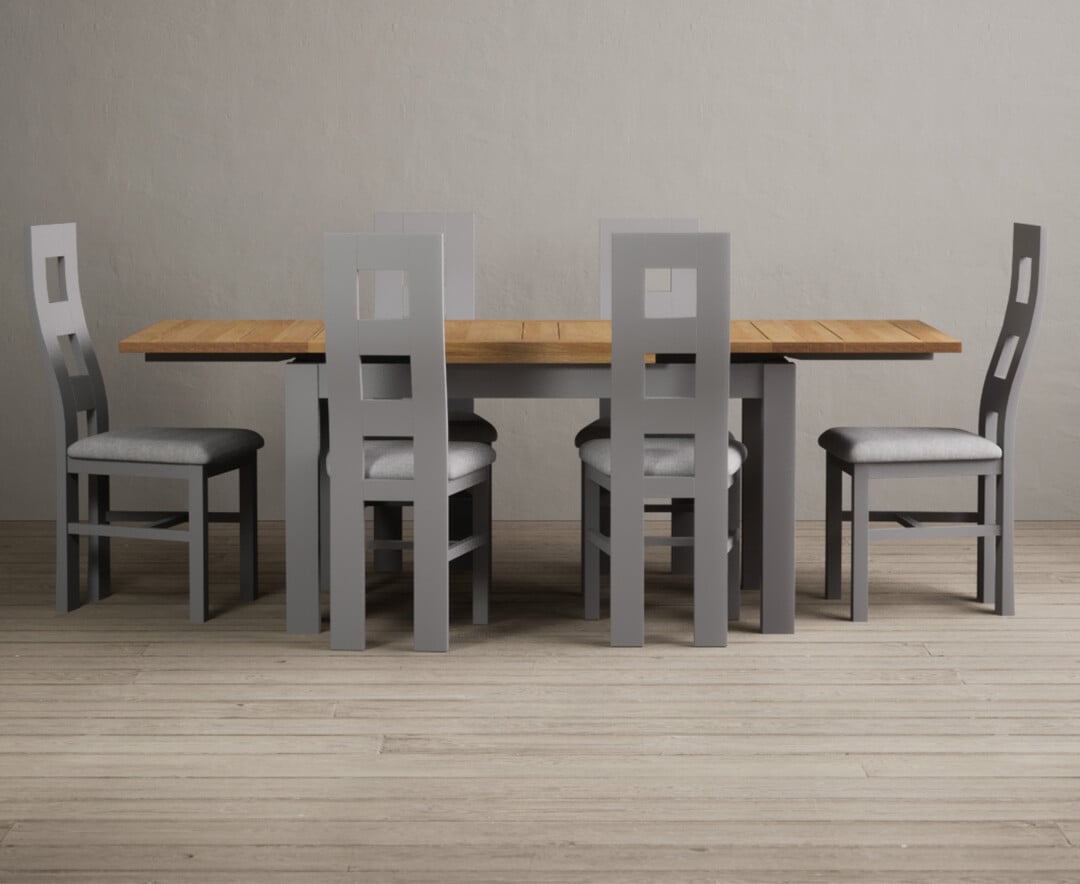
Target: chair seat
(393, 459)
(906, 444)
(597, 429)
(168, 445)
(601, 429)
(664, 456)
(467, 426)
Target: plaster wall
(867, 158)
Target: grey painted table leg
(753, 476)
(777, 483)
(302, 615)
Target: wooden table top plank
(484, 330)
(152, 333)
(928, 333)
(874, 335)
(812, 336)
(581, 341)
(744, 334)
(304, 330)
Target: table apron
(525, 381)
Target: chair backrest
(416, 339)
(459, 265)
(77, 384)
(704, 339)
(670, 295)
(1001, 389)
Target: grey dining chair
(668, 293)
(391, 299)
(389, 442)
(655, 439)
(866, 453)
(190, 455)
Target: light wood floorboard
(937, 742)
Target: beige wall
(867, 157)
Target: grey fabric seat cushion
(906, 444)
(664, 456)
(393, 458)
(194, 446)
(467, 426)
(601, 429)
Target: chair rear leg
(249, 529)
(461, 524)
(198, 561)
(431, 577)
(1004, 595)
(860, 542)
(712, 599)
(348, 577)
(627, 569)
(481, 556)
(67, 544)
(99, 557)
(834, 504)
(605, 528)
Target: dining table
(560, 359)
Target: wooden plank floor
(935, 743)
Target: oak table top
(544, 341)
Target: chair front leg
(481, 556)
(67, 544)
(1004, 595)
(860, 542)
(249, 529)
(834, 505)
(590, 553)
(99, 557)
(198, 539)
(735, 553)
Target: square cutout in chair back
(670, 292)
